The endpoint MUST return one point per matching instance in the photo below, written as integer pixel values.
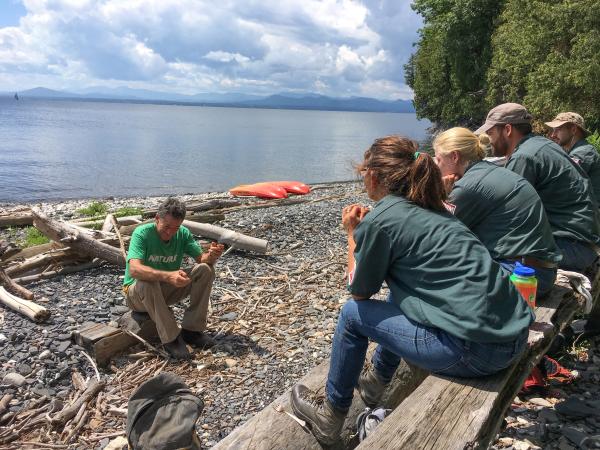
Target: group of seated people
(445, 234)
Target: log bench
(429, 411)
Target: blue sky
(332, 47)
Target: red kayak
(293, 187)
(260, 190)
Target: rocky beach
(273, 317)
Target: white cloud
(335, 47)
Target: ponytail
(405, 171)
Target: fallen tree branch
(93, 387)
(116, 227)
(229, 237)
(63, 271)
(13, 287)
(29, 309)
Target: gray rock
(13, 379)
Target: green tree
(546, 56)
(447, 72)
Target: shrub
(94, 209)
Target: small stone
(229, 316)
(540, 402)
(64, 337)
(24, 369)
(45, 354)
(63, 346)
(549, 415)
(521, 445)
(230, 362)
(13, 379)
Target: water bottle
(524, 279)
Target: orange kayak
(260, 190)
(293, 187)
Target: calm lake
(70, 149)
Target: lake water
(70, 149)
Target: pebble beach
(273, 317)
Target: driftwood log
(32, 251)
(14, 287)
(198, 206)
(16, 218)
(29, 309)
(234, 239)
(52, 256)
(201, 218)
(80, 242)
(62, 271)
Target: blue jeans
(577, 255)
(545, 277)
(399, 337)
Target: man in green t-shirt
(568, 131)
(154, 278)
(564, 188)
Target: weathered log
(200, 218)
(198, 206)
(118, 233)
(29, 309)
(107, 225)
(39, 260)
(63, 271)
(229, 237)
(32, 251)
(4, 402)
(16, 218)
(86, 245)
(94, 386)
(14, 287)
(88, 222)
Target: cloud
(334, 47)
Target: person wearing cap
(568, 131)
(499, 206)
(565, 190)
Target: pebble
(13, 379)
(540, 402)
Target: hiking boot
(370, 387)
(324, 420)
(140, 316)
(197, 338)
(177, 348)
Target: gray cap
(512, 113)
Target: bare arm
(140, 271)
(351, 217)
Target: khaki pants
(155, 297)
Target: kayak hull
(260, 190)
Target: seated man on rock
(154, 279)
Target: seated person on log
(568, 131)
(564, 188)
(451, 309)
(154, 279)
(500, 207)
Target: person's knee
(203, 270)
(144, 287)
(349, 311)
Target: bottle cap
(523, 271)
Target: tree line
(475, 54)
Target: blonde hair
(464, 142)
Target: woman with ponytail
(451, 308)
(499, 206)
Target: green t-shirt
(564, 188)
(588, 158)
(505, 213)
(147, 245)
(438, 273)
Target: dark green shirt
(438, 272)
(504, 211)
(588, 158)
(565, 190)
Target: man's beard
(500, 146)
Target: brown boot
(324, 420)
(370, 387)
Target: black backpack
(162, 415)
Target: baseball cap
(512, 113)
(569, 117)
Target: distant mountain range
(278, 101)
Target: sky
(339, 48)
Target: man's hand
(213, 253)
(352, 215)
(178, 278)
(449, 181)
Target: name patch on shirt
(162, 258)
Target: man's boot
(197, 338)
(324, 420)
(177, 348)
(370, 387)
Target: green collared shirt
(588, 158)
(504, 211)
(564, 188)
(438, 272)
